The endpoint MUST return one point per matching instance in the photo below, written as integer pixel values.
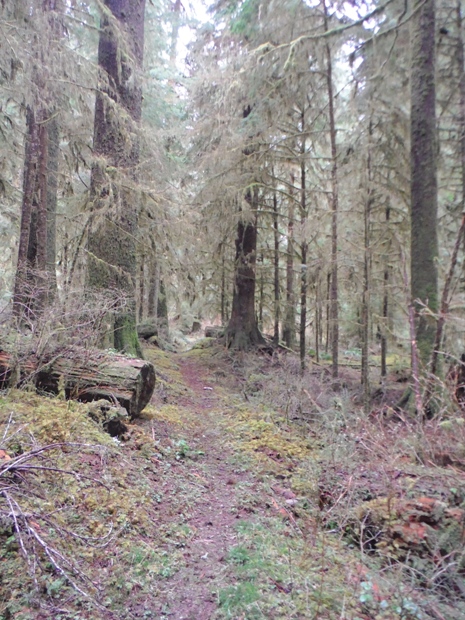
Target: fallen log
(214, 331)
(84, 375)
(147, 330)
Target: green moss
(126, 339)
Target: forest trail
(191, 593)
(237, 517)
(228, 518)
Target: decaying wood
(84, 375)
(214, 331)
(147, 330)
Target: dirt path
(191, 593)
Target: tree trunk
(261, 294)
(289, 317)
(424, 242)
(318, 317)
(154, 288)
(162, 307)
(52, 198)
(118, 109)
(445, 297)
(223, 287)
(22, 298)
(365, 370)
(303, 247)
(334, 291)
(242, 332)
(276, 268)
(385, 302)
(35, 281)
(141, 301)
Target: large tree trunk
(22, 297)
(162, 308)
(52, 199)
(424, 241)
(35, 280)
(445, 297)
(118, 109)
(242, 332)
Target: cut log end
(86, 375)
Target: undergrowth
(390, 491)
(338, 516)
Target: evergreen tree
(118, 110)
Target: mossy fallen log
(214, 331)
(85, 375)
(147, 330)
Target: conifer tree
(118, 111)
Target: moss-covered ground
(245, 491)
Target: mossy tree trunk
(385, 309)
(242, 332)
(276, 284)
(289, 313)
(118, 110)
(365, 313)
(424, 241)
(35, 280)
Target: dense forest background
(292, 170)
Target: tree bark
(445, 297)
(242, 332)
(303, 246)
(365, 369)
(118, 110)
(424, 242)
(385, 312)
(53, 140)
(289, 316)
(223, 287)
(35, 281)
(276, 268)
(22, 299)
(334, 291)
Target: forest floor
(245, 492)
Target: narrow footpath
(192, 592)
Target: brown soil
(190, 594)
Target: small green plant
(239, 555)
(237, 598)
(184, 451)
